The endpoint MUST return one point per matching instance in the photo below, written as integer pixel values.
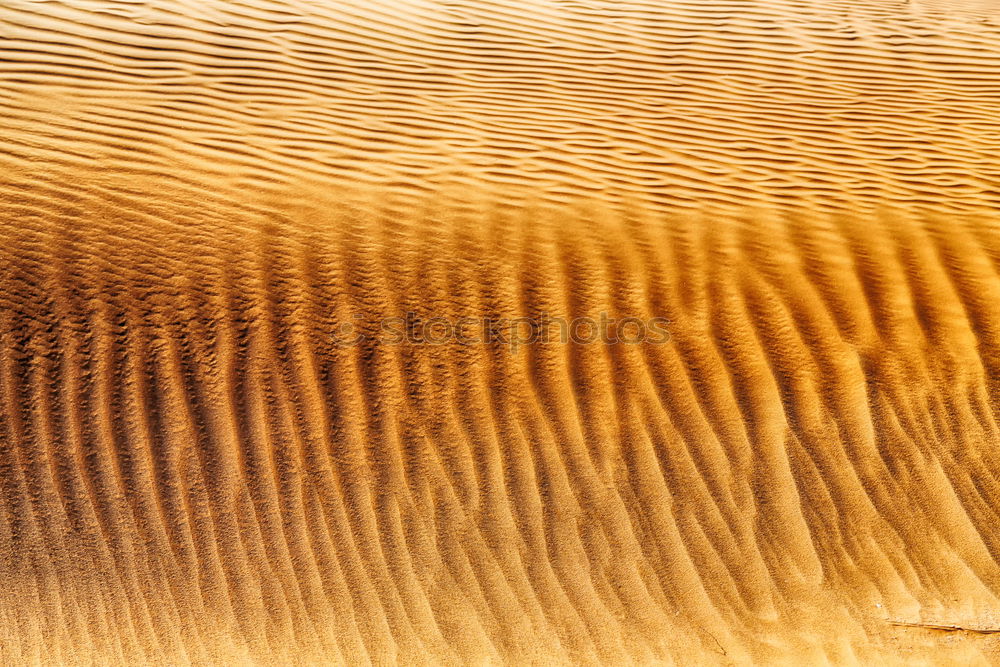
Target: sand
(216, 218)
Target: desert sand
(216, 218)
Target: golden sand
(684, 102)
(211, 453)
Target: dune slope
(273, 389)
(681, 102)
(214, 448)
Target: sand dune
(678, 102)
(201, 464)
(232, 431)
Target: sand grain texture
(197, 200)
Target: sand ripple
(674, 102)
(197, 196)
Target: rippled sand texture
(195, 198)
(677, 101)
(193, 470)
